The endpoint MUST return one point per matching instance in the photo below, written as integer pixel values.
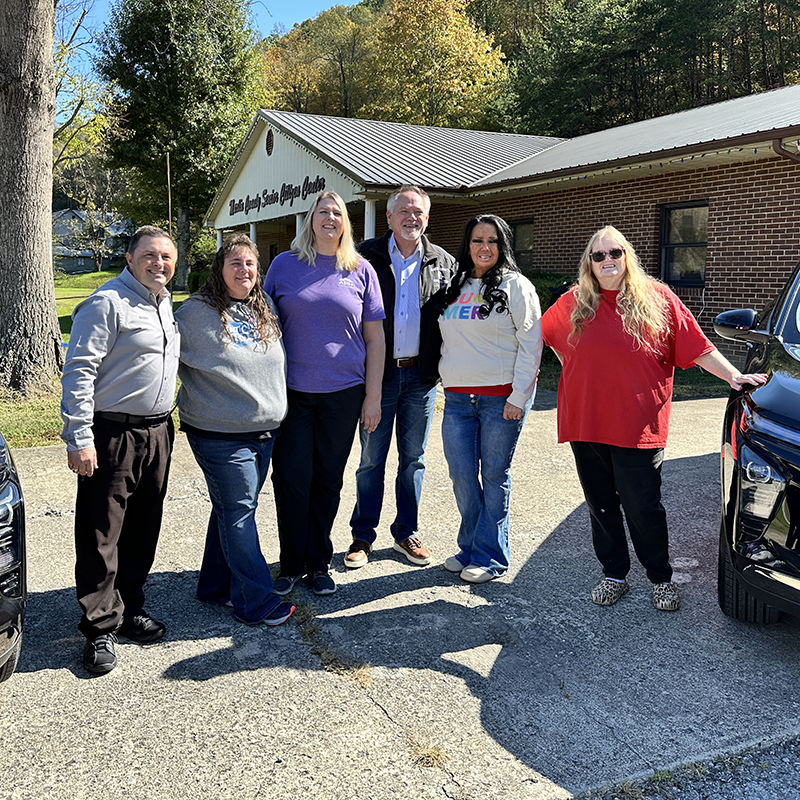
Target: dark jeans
(117, 521)
(308, 464)
(616, 479)
(234, 567)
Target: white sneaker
(473, 574)
(452, 564)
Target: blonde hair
(305, 245)
(643, 309)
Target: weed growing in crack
(428, 755)
(305, 614)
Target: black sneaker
(322, 583)
(277, 616)
(99, 655)
(284, 584)
(142, 628)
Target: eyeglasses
(599, 255)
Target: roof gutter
(779, 150)
(676, 152)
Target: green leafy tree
(344, 38)
(80, 99)
(293, 67)
(595, 64)
(184, 76)
(433, 66)
(509, 21)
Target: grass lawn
(34, 420)
(71, 289)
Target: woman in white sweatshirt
(492, 346)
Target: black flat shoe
(142, 628)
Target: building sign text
(289, 192)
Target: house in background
(709, 197)
(89, 241)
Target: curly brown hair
(214, 292)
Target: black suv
(13, 589)
(759, 544)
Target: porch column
(369, 219)
(253, 231)
(219, 238)
(298, 223)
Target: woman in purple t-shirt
(329, 303)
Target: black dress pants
(118, 519)
(616, 479)
(308, 463)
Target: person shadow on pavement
(565, 686)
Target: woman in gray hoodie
(231, 401)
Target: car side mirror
(740, 325)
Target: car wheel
(7, 670)
(734, 600)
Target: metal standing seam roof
(446, 159)
(390, 153)
(755, 116)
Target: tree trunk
(182, 239)
(30, 341)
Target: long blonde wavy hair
(643, 309)
(305, 245)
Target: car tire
(7, 670)
(733, 599)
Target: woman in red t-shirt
(619, 335)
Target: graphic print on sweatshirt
(243, 332)
(467, 306)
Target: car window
(789, 320)
(791, 330)
(794, 336)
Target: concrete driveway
(407, 683)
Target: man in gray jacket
(410, 271)
(118, 387)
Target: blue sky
(266, 13)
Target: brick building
(710, 197)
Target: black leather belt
(406, 362)
(131, 419)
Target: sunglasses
(599, 255)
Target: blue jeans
(233, 565)
(479, 447)
(410, 403)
